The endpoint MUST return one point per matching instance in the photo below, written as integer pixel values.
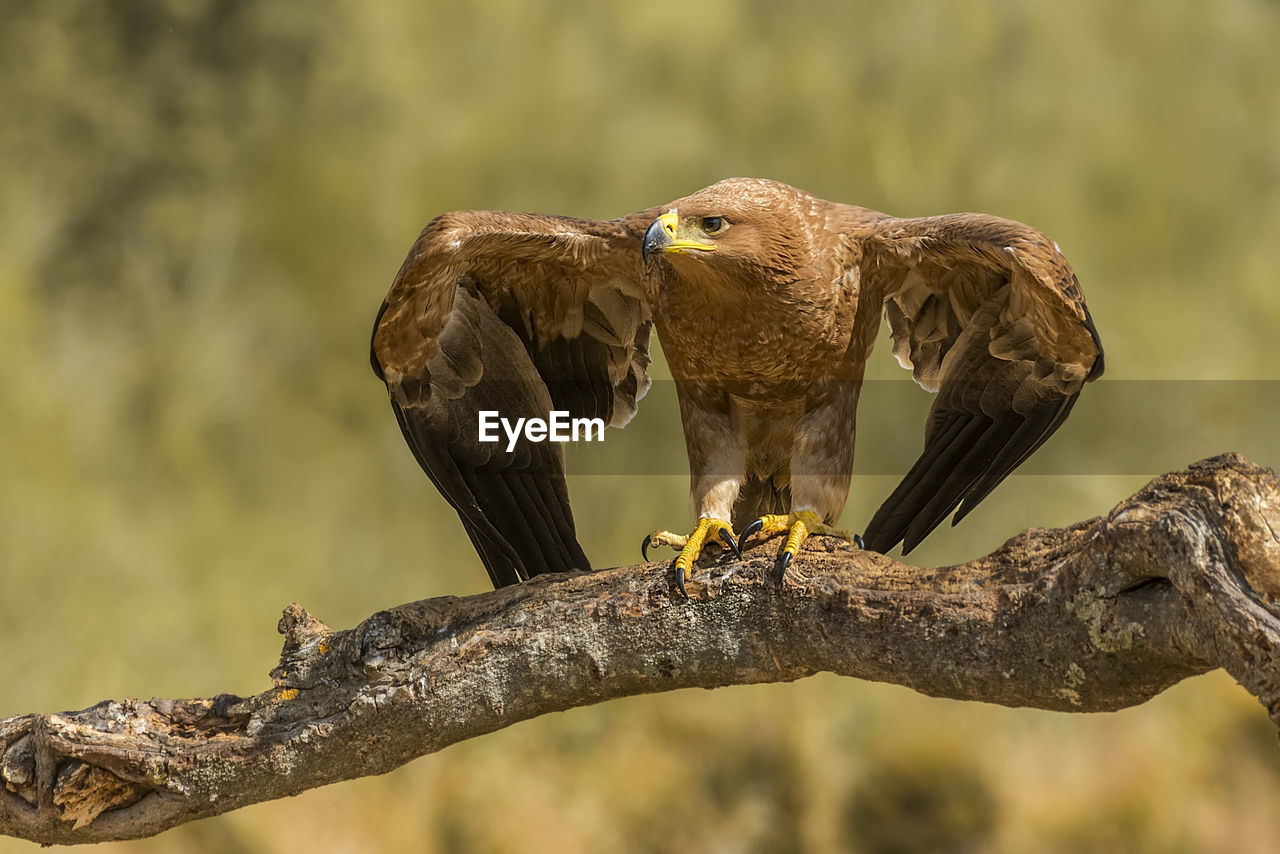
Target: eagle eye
(714, 224)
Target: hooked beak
(663, 235)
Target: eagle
(767, 302)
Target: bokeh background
(203, 203)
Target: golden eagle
(767, 301)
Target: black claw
(644, 547)
(858, 541)
(749, 530)
(784, 561)
(727, 539)
(680, 582)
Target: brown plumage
(767, 301)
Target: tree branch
(1177, 580)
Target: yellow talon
(717, 530)
(800, 531)
(799, 527)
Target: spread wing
(987, 313)
(516, 314)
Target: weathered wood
(1175, 581)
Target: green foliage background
(203, 203)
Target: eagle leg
(799, 527)
(691, 546)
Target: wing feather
(521, 314)
(988, 313)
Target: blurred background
(205, 201)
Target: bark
(1175, 581)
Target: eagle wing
(518, 314)
(987, 313)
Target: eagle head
(747, 230)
